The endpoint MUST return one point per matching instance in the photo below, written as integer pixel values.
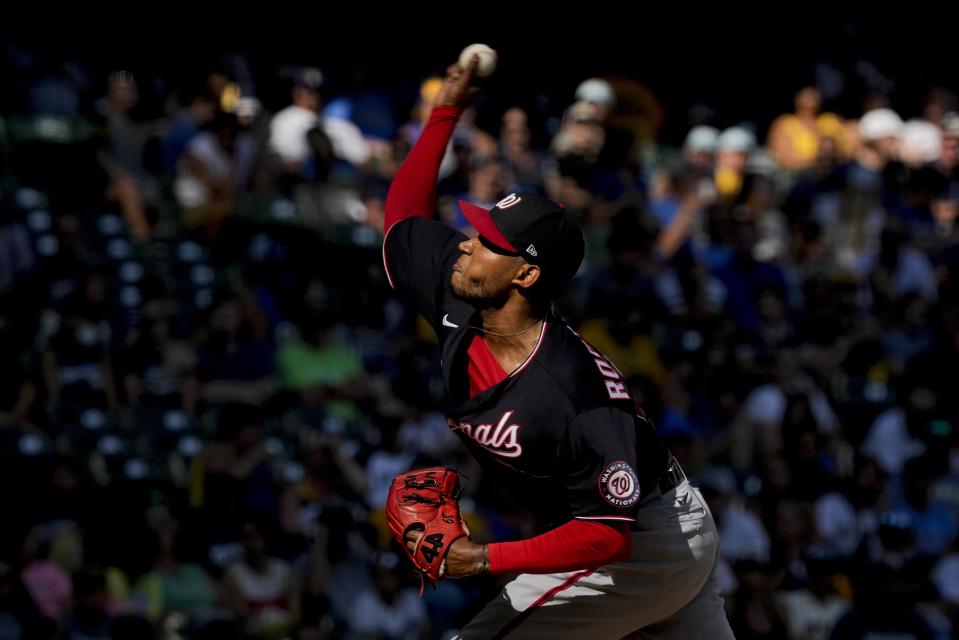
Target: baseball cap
(738, 139)
(596, 90)
(534, 227)
(921, 141)
(702, 138)
(879, 123)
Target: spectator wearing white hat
(699, 148)
(598, 92)
(868, 190)
(920, 142)
(879, 131)
(733, 147)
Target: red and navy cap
(534, 227)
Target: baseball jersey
(561, 430)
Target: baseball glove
(426, 500)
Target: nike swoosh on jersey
(447, 323)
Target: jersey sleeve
(418, 255)
(600, 456)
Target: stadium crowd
(208, 384)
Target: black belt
(670, 479)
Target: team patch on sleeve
(619, 485)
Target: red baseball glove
(426, 500)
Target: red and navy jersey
(561, 431)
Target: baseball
(487, 59)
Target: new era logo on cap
(531, 250)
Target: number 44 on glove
(427, 501)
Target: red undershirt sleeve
(578, 544)
(413, 192)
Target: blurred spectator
(77, 372)
(754, 613)
(668, 190)
(159, 368)
(290, 127)
(920, 143)
(943, 176)
(733, 147)
(339, 568)
(852, 223)
(235, 362)
(895, 436)
(922, 137)
(745, 277)
(332, 479)
(523, 164)
(18, 383)
(49, 585)
(889, 581)
(216, 164)
(907, 333)
(795, 138)
(757, 201)
(17, 608)
(898, 269)
(767, 421)
(844, 518)
(388, 611)
(487, 186)
(196, 108)
(699, 149)
(262, 589)
(935, 525)
(623, 296)
(185, 587)
(598, 92)
(946, 578)
(382, 465)
(17, 256)
(741, 530)
(791, 525)
(237, 473)
(811, 612)
(132, 586)
(579, 141)
(121, 152)
(317, 365)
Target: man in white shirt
(290, 126)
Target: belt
(670, 479)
